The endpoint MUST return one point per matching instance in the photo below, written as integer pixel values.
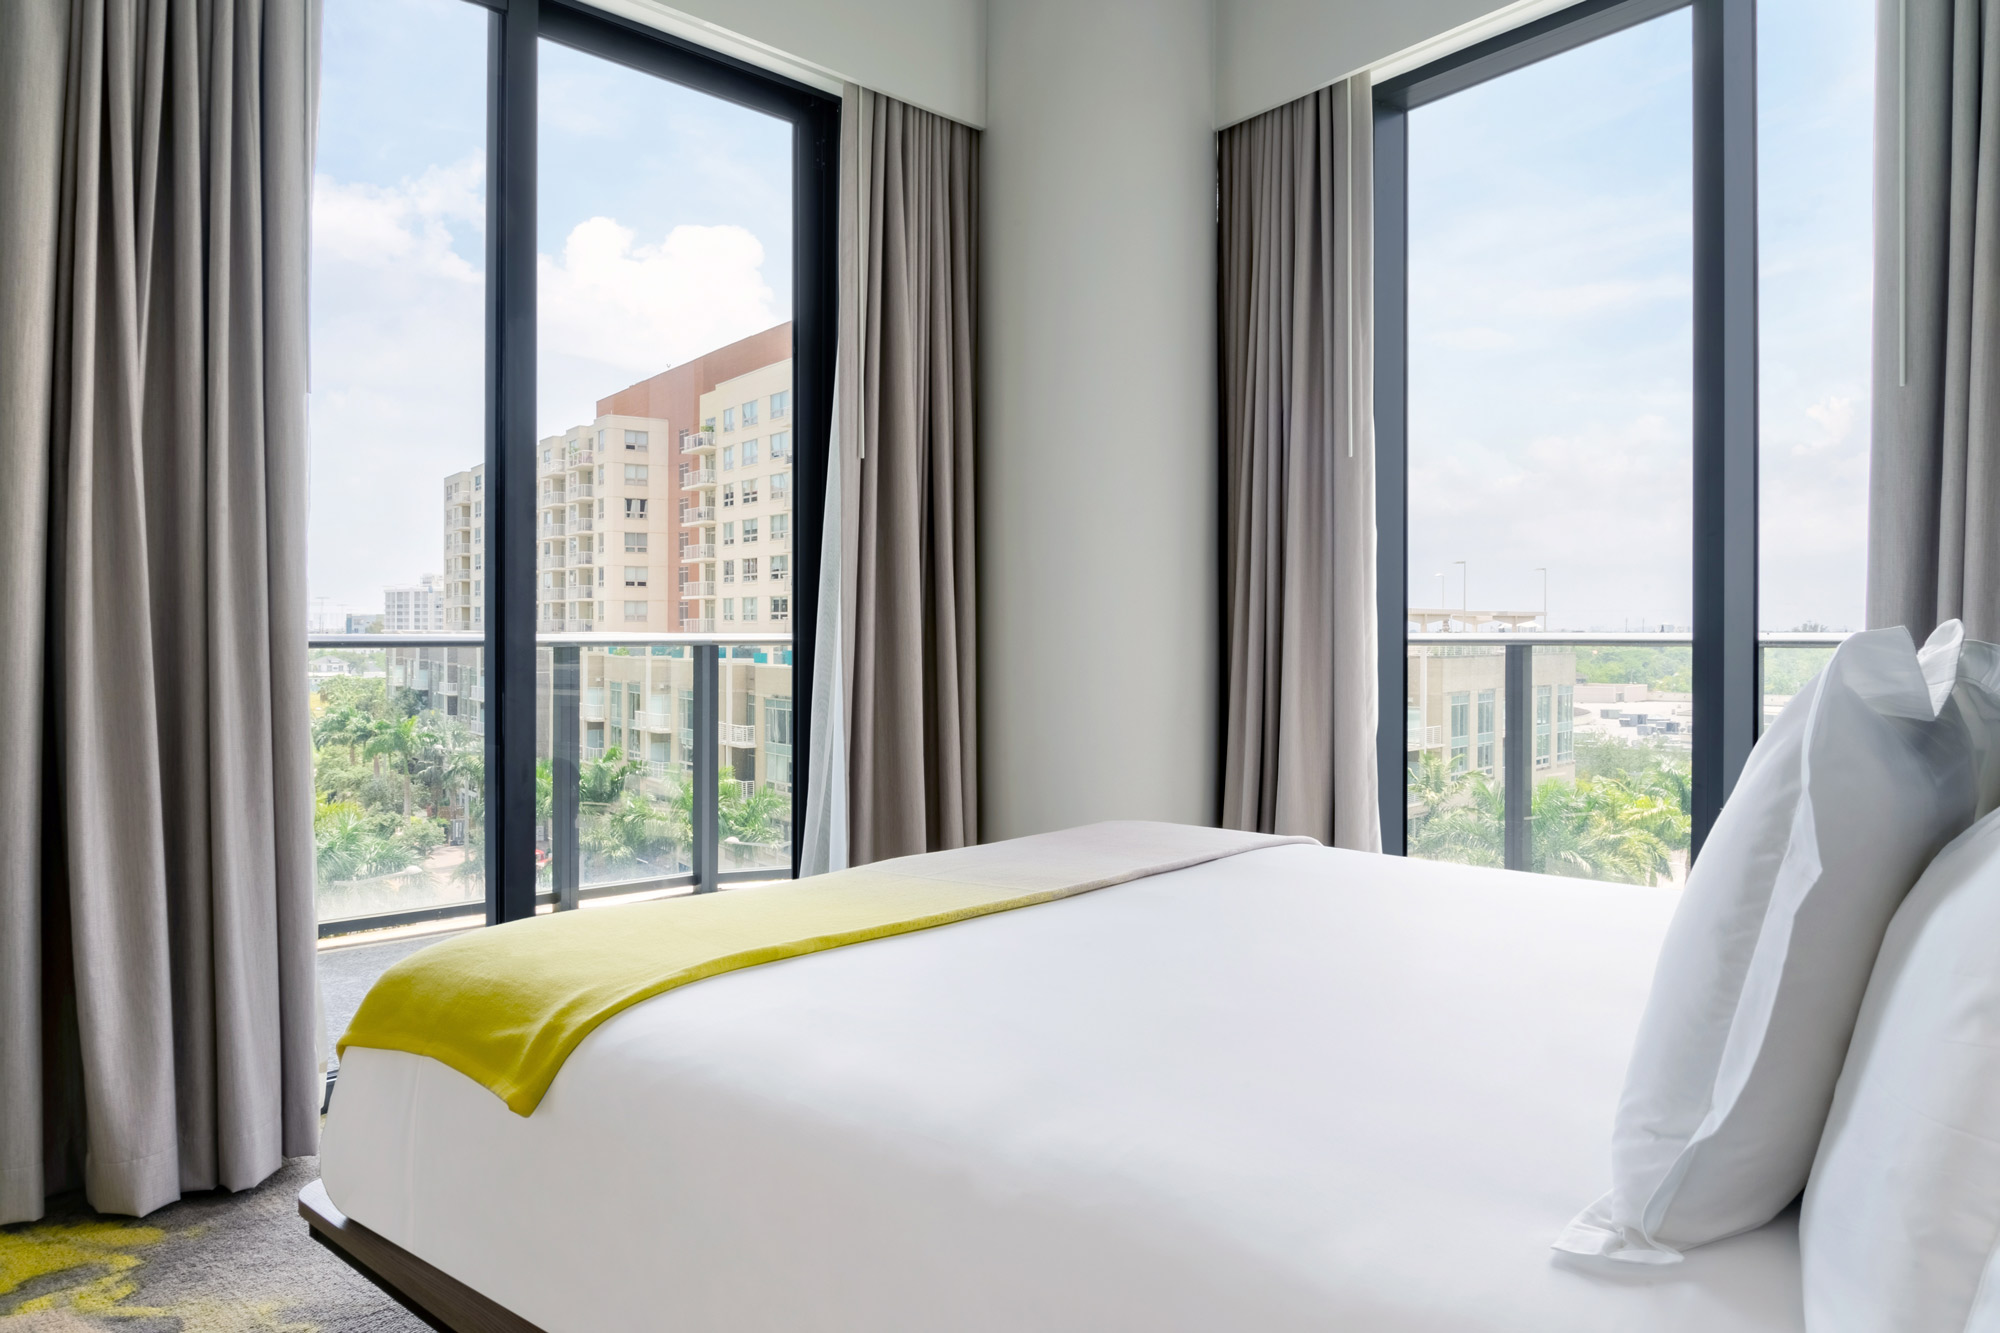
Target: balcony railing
(698, 551)
(703, 588)
(700, 476)
(697, 442)
(730, 733)
(697, 625)
(1517, 702)
(580, 490)
(698, 514)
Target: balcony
(581, 457)
(583, 558)
(554, 528)
(583, 525)
(697, 625)
(698, 514)
(581, 490)
(730, 733)
(700, 476)
(698, 551)
(704, 588)
(697, 442)
(647, 720)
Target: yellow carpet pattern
(213, 1263)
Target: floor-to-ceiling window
(1600, 236)
(551, 249)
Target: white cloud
(614, 310)
(398, 366)
(1835, 419)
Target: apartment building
(736, 505)
(416, 608)
(602, 527)
(465, 550)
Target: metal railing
(1518, 695)
(706, 742)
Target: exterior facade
(465, 550)
(414, 609)
(736, 505)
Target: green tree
(400, 741)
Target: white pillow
(1842, 804)
(1902, 1217)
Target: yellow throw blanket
(506, 1006)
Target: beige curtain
(1934, 479)
(903, 492)
(156, 912)
(1296, 308)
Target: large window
(1621, 407)
(526, 220)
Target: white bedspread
(1295, 1089)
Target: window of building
(1461, 730)
(749, 530)
(635, 576)
(780, 486)
(781, 524)
(1488, 713)
(778, 567)
(635, 439)
(750, 570)
(780, 443)
(708, 425)
(1565, 724)
(729, 496)
(635, 541)
(781, 608)
(635, 474)
(729, 608)
(750, 491)
(635, 610)
(728, 457)
(778, 403)
(729, 571)
(749, 453)
(750, 413)
(729, 534)
(729, 418)
(749, 608)
(635, 508)
(1545, 723)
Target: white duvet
(1294, 1089)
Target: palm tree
(601, 781)
(400, 741)
(751, 818)
(345, 725)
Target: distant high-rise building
(464, 583)
(363, 624)
(415, 609)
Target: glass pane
(1551, 456)
(1455, 702)
(397, 504)
(756, 757)
(1815, 110)
(1623, 811)
(664, 465)
(1786, 670)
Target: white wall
(931, 53)
(1269, 52)
(1097, 502)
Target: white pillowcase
(1902, 1217)
(1843, 803)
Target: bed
(1297, 1088)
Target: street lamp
(1464, 598)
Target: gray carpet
(212, 1263)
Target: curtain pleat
(906, 434)
(1298, 442)
(172, 843)
(1934, 478)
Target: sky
(664, 229)
(1551, 328)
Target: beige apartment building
(1456, 700)
(465, 550)
(736, 506)
(603, 558)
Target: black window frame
(1727, 702)
(515, 29)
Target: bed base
(434, 1296)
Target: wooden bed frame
(435, 1297)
